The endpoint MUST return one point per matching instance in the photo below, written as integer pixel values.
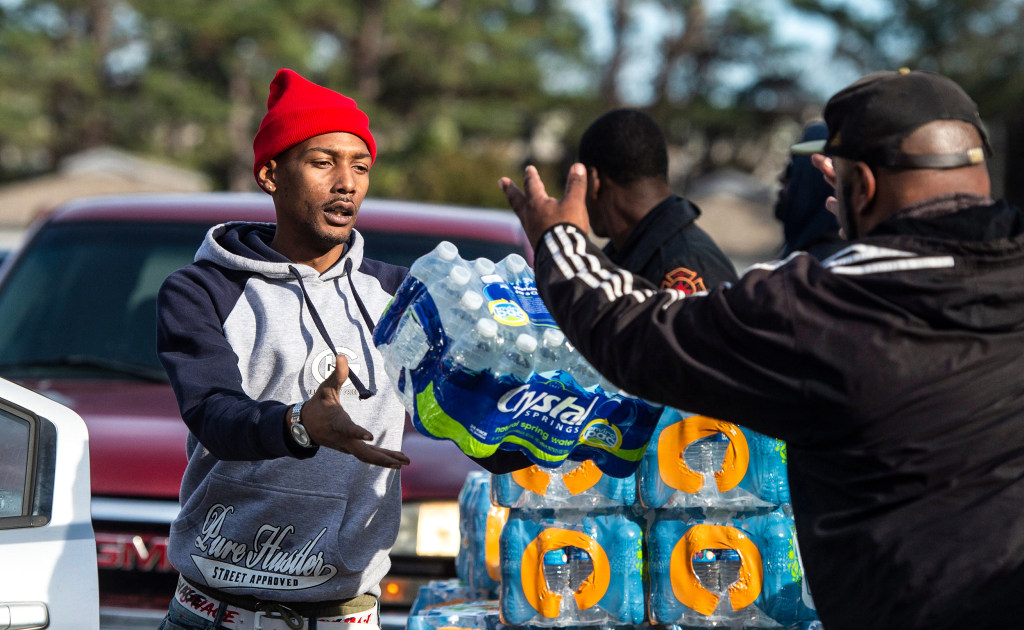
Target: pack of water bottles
(478, 615)
(477, 359)
(585, 565)
(579, 485)
(480, 526)
(561, 543)
(721, 537)
(567, 569)
(588, 560)
(742, 573)
(707, 465)
(445, 592)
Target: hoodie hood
(245, 246)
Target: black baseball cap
(869, 119)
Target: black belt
(308, 610)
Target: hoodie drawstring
(364, 392)
(359, 301)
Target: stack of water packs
(721, 538)
(477, 359)
(572, 548)
(702, 536)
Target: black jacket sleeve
(731, 354)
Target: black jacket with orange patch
(671, 251)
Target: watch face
(299, 435)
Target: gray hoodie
(238, 336)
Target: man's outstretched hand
(538, 212)
(330, 425)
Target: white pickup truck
(48, 576)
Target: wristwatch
(295, 428)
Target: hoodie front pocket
(253, 536)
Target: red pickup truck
(78, 324)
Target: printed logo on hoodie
(272, 560)
(324, 364)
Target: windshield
(81, 302)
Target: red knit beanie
(298, 109)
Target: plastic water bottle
(556, 572)
(410, 343)
(484, 267)
(435, 264)
(479, 348)
(518, 359)
(513, 267)
(552, 353)
(717, 569)
(706, 454)
(728, 568)
(580, 567)
(464, 317)
(705, 566)
(584, 373)
(406, 350)
(448, 290)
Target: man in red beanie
(267, 342)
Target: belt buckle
(274, 610)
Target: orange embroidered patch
(683, 279)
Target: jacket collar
(945, 218)
(659, 225)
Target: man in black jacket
(807, 225)
(651, 231)
(892, 371)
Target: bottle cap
(526, 342)
(446, 251)
(487, 327)
(459, 275)
(553, 338)
(515, 263)
(471, 300)
(483, 266)
(555, 556)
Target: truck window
(14, 437)
(82, 301)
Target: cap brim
(808, 148)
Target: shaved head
(942, 136)
(899, 188)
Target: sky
(815, 36)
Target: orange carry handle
(583, 478)
(687, 587)
(533, 479)
(676, 437)
(535, 587)
(496, 519)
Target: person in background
(807, 225)
(651, 231)
(891, 370)
(291, 499)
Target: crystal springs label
(538, 404)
